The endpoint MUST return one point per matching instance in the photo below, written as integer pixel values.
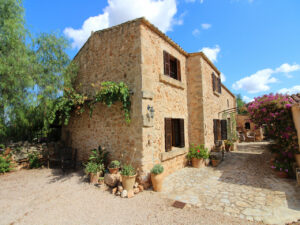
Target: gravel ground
(47, 197)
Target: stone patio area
(243, 185)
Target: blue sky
(254, 43)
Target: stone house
(183, 89)
(248, 130)
(296, 114)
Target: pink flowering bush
(274, 112)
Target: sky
(254, 43)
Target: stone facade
(241, 127)
(133, 52)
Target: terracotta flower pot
(128, 182)
(113, 170)
(297, 158)
(227, 148)
(215, 162)
(94, 177)
(157, 181)
(281, 174)
(198, 163)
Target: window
(227, 103)
(220, 129)
(216, 83)
(172, 66)
(247, 126)
(174, 133)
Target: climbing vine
(231, 127)
(109, 93)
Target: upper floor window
(172, 66)
(216, 83)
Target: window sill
(171, 81)
(217, 93)
(173, 153)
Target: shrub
(34, 161)
(99, 156)
(199, 152)
(92, 167)
(115, 164)
(5, 164)
(128, 170)
(157, 169)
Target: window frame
(169, 59)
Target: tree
(241, 105)
(33, 72)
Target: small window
(247, 126)
(174, 133)
(216, 83)
(171, 66)
(227, 103)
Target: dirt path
(46, 197)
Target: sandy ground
(45, 196)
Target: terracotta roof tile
(296, 98)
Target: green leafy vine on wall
(231, 127)
(108, 93)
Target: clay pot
(113, 170)
(215, 162)
(227, 148)
(281, 174)
(94, 177)
(157, 180)
(198, 163)
(297, 158)
(128, 182)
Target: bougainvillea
(274, 112)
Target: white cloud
(205, 26)
(256, 82)
(161, 13)
(196, 32)
(259, 81)
(223, 78)
(247, 99)
(211, 53)
(290, 91)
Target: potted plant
(114, 167)
(157, 177)
(94, 171)
(128, 177)
(214, 160)
(198, 155)
(228, 145)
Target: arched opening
(247, 126)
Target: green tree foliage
(33, 72)
(241, 105)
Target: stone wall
(241, 120)
(169, 100)
(113, 54)
(204, 104)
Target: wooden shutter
(215, 129)
(223, 129)
(214, 81)
(219, 85)
(181, 128)
(166, 63)
(219, 129)
(178, 70)
(168, 134)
